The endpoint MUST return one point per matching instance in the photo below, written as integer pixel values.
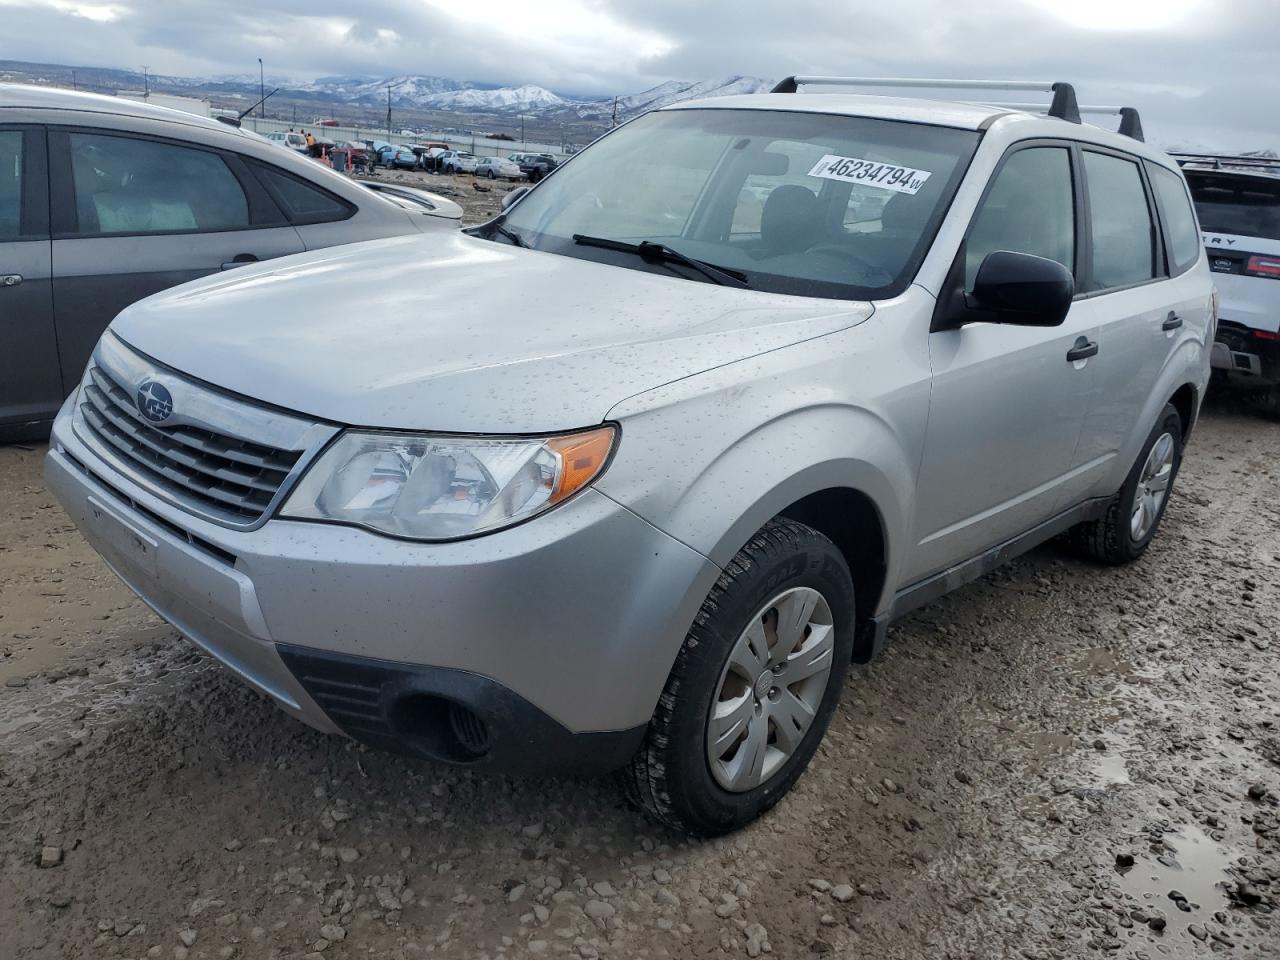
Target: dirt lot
(481, 198)
(970, 801)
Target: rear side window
(302, 202)
(125, 185)
(1030, 208)
(1235, 204)
(1182, 235)
(1122, 229)
(10, 184)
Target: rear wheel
(753, 688)
(1125, 531)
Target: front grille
(231, 478)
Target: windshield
(802, 203)
(1239, 205)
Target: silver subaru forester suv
(628, 476)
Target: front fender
(709, 460)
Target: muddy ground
(970, 801)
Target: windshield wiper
(510, 234)
(652, 252)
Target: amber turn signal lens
(582, 457)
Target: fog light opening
(440, 728)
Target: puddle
(1109, 769)
(1100, 662)
(1196, 866)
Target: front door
(138, 215)
(1008, 402)
(30, 380)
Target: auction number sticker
(887, 176)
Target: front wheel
(753, 687)
(1129, 525)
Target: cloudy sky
(1206, 71)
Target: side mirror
(513, 195)
(1022, 289)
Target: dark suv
(535, 166)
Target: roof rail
(1063, 107)
(1220, 161)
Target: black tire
(1271, 401)
(670, 777)
(492, 175)
(1110, 539)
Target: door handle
(239, 260)
(1084, 349)
(1171, 322)
(10, 280)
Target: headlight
(442, 488)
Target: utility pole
(522, 131)
(614, 122)
(146, 88)
(262, 91)
(390, 87)
(74, 86)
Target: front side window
(10, 184)
(1236, 204)
(1029, 208)
(1124, 236)
(764, 194)
(129, 186)
(1182, 236)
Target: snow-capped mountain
(420, 91)
(673, 91)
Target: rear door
(1139, 316)
(30, 379)
(135, 214)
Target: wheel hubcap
(771, 688)
(1153, 487)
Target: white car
(289, 140)
(1238, 199)
(494, 167)
(455, 161)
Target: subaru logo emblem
(155, 402)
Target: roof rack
(1222, 161)
(1130, 122)
(1064, 105)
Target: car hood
(450, 332)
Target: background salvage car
(1238, 199)
(104, 201)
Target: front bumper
(560, 627)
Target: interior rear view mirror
(770, 164)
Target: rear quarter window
(1182, 234)
(302, 202)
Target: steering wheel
(872, 270)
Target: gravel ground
(481, 198)
(980, 794)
